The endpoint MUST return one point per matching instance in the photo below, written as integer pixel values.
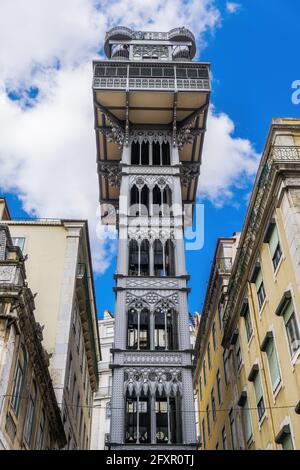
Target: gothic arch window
(139, 201)
(156, 153)
(133, 258)
(134, 201)
(132, 329)
(138, 329)
(167, 417)
(165, 329)
(145, 200)
(157, 200)
(145, 153)
(167, 201)
(165, 150)
(159, 268)
(138, 419)
(169, 258)
(135, 153)
(144, 259)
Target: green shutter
(258, 280)
(258, 388)
(287, 443)
(288, 312)
(274, 240)
(273, 363)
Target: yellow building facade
(260, 335)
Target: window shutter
(274, 240)
(288, 312)
(273, 363)
(258, 388)
(258, 280)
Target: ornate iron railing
(151, 83)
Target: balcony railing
(285, 152)
(11, 273)
(151, 83)
(224, 265)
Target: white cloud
(232, 7)
(228, 162)
(47, 151)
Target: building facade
(260, 323)
(29, 414)
(102, 398)
(213, 365)
(59, 272)
(151, 104)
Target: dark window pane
(111, 71)
(168, 72)
(192, 73)
(156, 72)
(180, 73)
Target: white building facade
(100, 436)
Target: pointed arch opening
(165, 150)
(135, 153)
(145, 153)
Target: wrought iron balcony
(11, 273)
(285, 152)
(155, 77)
(224, 265)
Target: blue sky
(254, 52)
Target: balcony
(224, 265)
(11, 273)
(155, 77)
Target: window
(19, 241)
(274, 245)
(200, 388)
(109, 331)
(246, 417)
(203, 435)
(108, 410)
(41, 431)
(29, 420)
(284, 437)
(225, 364)
(138, 329)
(220, 314)
(19, 380)
(214, 336)
(208, 419)
(224, 439)
(287, 443)
(208, 356)
(213, 404)
(232, 429)
(270, 350)
(219, 387)
(259, 395)
(70, 372)
(238, 353)
(292, 328)
(204, 372)
(248, 323)
(260, 289)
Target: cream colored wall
(281, 404)
(222, 409)
(45, 246)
